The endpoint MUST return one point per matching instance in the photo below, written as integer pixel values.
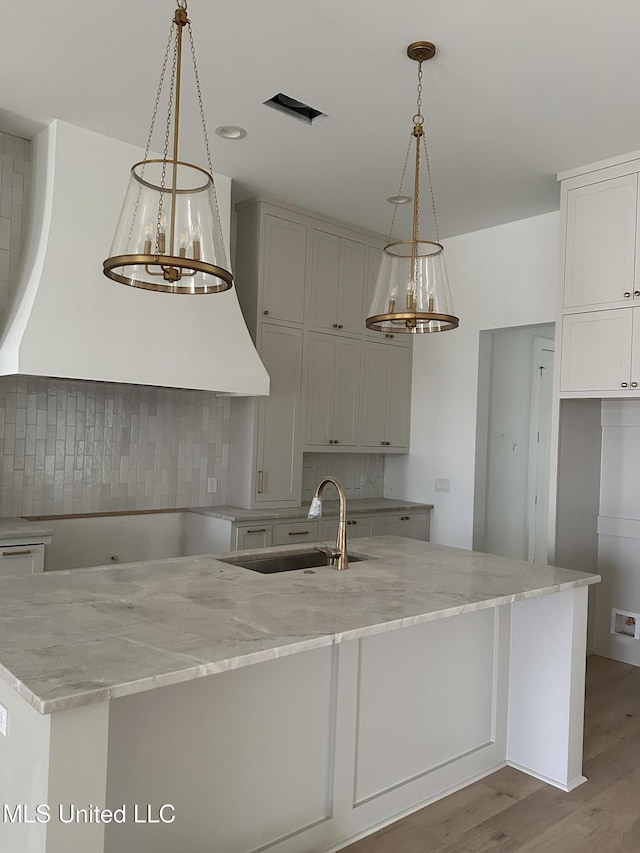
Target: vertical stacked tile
(361, 474)
(70, 447)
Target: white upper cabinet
(284, 269)
(333, 391)
(337, 283)
(601, 239)
(596, 350)
(386, 407)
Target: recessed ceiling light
(399, 199)
(231, 131)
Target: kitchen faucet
(338, 554)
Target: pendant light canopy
(412, 293)
(169, 235)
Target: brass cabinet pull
(299, 532)
(387, 335)
(16, 553)
(634, 384)
(624, 384)
(626, 294)
(260, 482)
(259, 530)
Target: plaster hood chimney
(68, 320)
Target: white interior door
(540, 448)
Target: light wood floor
(511, 811)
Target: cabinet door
(391, 524)
(635, 352)
(374, 395)
(364, 525)
(596, 350)
(415, 526)
(325, 278)
(600, 242)
(374, 258)
(398, 396)
(284, 276)
(21, 559)
(321, 378)
(253, 536)
(351, 286)
(278, 458)
(346, 406)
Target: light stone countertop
(21, 529)
(329, 508)
(77, 637)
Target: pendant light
(169, 235)
(412, 294)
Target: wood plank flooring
(510, 811)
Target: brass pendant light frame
(176, 272)
(411, 320)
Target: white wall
(501, 277)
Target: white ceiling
(517, 92)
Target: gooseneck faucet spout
(339, 553)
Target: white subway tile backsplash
(361, 474)
(157, 451)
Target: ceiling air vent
(291, 107)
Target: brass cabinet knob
(627, 294)
(335, 441)
(266, 313)
(624, 384)
(336, 326)
(634, 384)
(636, 292)
(354, 521)
(340, 326)
(387, 335)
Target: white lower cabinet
(412, 525)
(601, 351)
(361, 525)
(252, 536)
(19, 559)
(294, 532)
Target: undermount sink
(285, 562)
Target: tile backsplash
(15, 177)
(68, 447)
(361, 474)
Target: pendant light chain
(167, 137)
(404, 174)
(204, 126)
(426, 153)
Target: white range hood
(69, 320)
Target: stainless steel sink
(285, 562)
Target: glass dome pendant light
(412, 294)
(169, 234)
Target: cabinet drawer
(253, 536)
(21, 559)
(292, 532)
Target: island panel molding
(157, 663)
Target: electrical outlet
(443, 484)
(212, 485)
(4, 719)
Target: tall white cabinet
(304, 284)
(596, 517)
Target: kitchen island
(415, 672)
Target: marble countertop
(77, 637)
(329, 508)
(20, 529)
